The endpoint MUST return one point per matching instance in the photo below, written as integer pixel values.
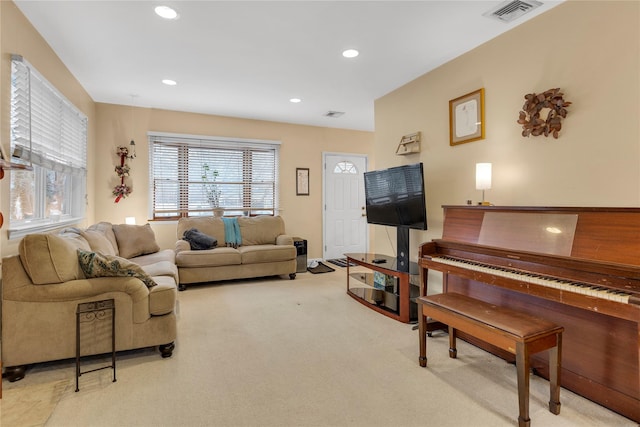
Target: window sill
(40, 227)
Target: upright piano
(578, 267)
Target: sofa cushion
(162, 298)
(260, 230)
(162, 255)
(266, 253)
(48, 258)
(106, 228)
(209, 258)
(95, 264)
(134, 240)
(162, 268)
(98, 242)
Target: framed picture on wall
(302, 181)
(466, 118)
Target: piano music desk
(514, 331)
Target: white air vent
(510, 10)
(334, 114)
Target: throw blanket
(198, 240)
(232, 232)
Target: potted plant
(212, 189)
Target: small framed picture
(466, 118)
(302, 181)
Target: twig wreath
(543, 113)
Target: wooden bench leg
(555, 366)
(522, 366)
(422, 331)
(453, 352)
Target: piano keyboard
(536, 279)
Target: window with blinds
(192, 175)
(49, 133)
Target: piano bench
(514, 331)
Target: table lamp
(483, 179)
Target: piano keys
(579, 267)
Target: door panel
(345, 225)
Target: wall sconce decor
(542, 113)
(409, 144)
(483, 179)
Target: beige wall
(301, 146)
(17, 36)
(591, 50)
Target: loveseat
(53, 273)
(264, 249)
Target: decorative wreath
(122, 151)
(552, 101)
(121, 191)
(122, 170)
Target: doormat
(320, 268)
(341, 262)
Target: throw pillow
(98, 242)
(106, 228)
(48, 258)
(94, 264)
(198, 240)
(135, 240)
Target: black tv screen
(395, 197)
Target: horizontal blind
(192, 175)
(46, 129)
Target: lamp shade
(483, 176)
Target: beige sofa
(43, 285)
(265, 250)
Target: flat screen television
(396, 197)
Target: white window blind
(46, 128)
(191, 175)
(50, 133)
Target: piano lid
(589, 233)
(550, 233)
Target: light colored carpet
(293, 353)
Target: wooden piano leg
(422, 331)
(453, 352)
(555, 366)
(522, 366)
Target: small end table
(96, 311)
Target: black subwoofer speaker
(301, 253)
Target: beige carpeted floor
(289, 353)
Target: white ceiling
(248, 58)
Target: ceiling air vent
(510, 10)
(334, 114)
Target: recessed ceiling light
(350, 53)
(169, 82)
(166, 12)
(295, 100)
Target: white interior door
(345, 222)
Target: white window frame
(50, 134)
(182, 203)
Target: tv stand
(397, 298)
